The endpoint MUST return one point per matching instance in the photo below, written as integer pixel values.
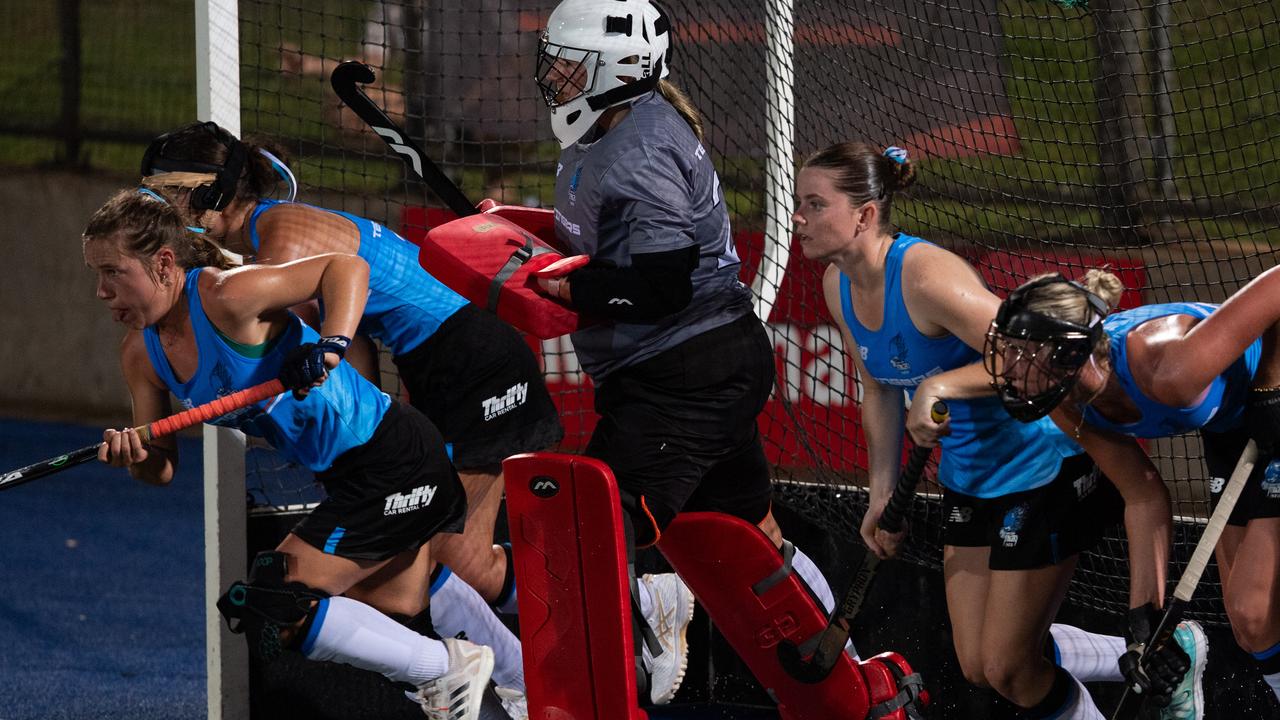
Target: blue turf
(114, 626)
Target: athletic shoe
(514, 702)
(671, 612)
(1188, 698)
(457, 694)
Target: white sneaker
(457, 694)
(671, 612)
(514, 702)
(1188, 698)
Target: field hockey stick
(155, 429)
(1132, 700)
(346, 81)
(834, 636)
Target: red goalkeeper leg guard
(755, 600)
(568, 545)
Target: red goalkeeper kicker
(158, 428)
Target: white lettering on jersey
(506, 402)
(565, 223)
(401, 503)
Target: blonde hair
(144, 225)
(683, 105)
(1063, 301)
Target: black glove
(1152, 671)
(304, 365)
(1262, 418)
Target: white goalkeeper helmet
(596, 54)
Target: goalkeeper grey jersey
(648, 186)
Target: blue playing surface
(102, 586)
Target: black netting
(1136, 135)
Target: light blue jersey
(406, 303)
(988, 454)
(335, 417)
(1220, 408)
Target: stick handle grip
(158, 428)
(210, 410)
(905, 491)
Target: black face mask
(1034, 360)
(214, 196)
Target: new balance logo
(400, 503)
(620, 301)
(1216, 484)
(960, 515)
(504, 403)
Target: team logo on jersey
(1086, 483)
(899, 359)
(960, 515)
(1013, 521)
(1216, 484)
(415, 499)
(573, 185)
(1271, 480)
(502, 404)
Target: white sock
(821, 589)
(1273, 680)
(456, 608)
(348, 631)
(1089, 657)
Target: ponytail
(683, 105)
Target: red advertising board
(813, 419)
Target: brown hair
(144, 225)
(865, 174)
(683, 105)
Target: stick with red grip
(155, 429)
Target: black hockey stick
(155, 429)
(830, 643)
(1132, 700)
(346, 80)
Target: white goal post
(226, 655)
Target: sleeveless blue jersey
(406, 303)
(335, 417)
(1222, 406)
(988, 453)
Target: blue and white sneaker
(1188, 698)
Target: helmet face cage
(1035, 360)
(564, 73)
(598, 54)
(1033, 376)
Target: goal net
(1046, 136)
